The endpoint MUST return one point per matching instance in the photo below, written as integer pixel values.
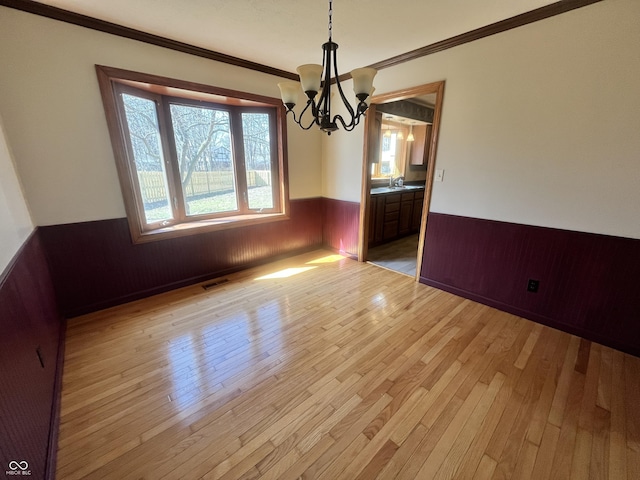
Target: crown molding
(56, 13)
(526, 18)
(66, 16)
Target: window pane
(388, 157)
(203, 145)
(257, 158)
(142, 120)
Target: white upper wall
(15, 222)
(55, 122)
(540, 124)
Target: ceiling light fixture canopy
(317, 78)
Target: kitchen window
(194, 158)
(393, 151)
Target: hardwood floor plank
(486, 468)
(382, 436)
(542, 469)
(342, 370)
(340, 463)
(538, 422)
(631, 393)
(412, 420)
(633, 464)
(565, 448)
(472, 458)
(309, 441)
(599, 465)
(403, 453)
(444, 445)
(471, 428)
(428, 443)
(346, 432)
(558, 405)
(618, 436)
(513, 450)
(582, 455)
(297, 470)
(522, 359)
(526, 460)
(379, 461)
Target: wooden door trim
(438, 89)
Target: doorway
(393, 213)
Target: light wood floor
(322, 367)
(399, 255)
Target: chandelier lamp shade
(315, 82)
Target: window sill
(205, 226)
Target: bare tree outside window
(144, 132)
(202, 137)
(193, 157)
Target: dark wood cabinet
(391, 216)
(394, 215)
(416, 213)
(376, 219)
(405, 221)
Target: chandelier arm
(298, 119)
(321, 110)
(347, 127)
(314, 116)
(342, 95)
(324, 104)
(307, 127)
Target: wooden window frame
(165, 91)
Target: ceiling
(286, 33)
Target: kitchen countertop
(404, 188)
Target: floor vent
(214, 284)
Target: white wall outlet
(439, 175)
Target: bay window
(193, 157)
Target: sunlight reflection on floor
(287, 272)
(327, 259)
(290, 272)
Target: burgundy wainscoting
(30, 363)
(340, 221)
(95, 265)
(589, 283)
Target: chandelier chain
(316, 83)
(330, 18)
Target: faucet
(396, 182)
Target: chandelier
(317, 78)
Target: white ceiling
(287, 33)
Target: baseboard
(535, 317)
(112, 302)
(352, 256)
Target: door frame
(370, 134)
